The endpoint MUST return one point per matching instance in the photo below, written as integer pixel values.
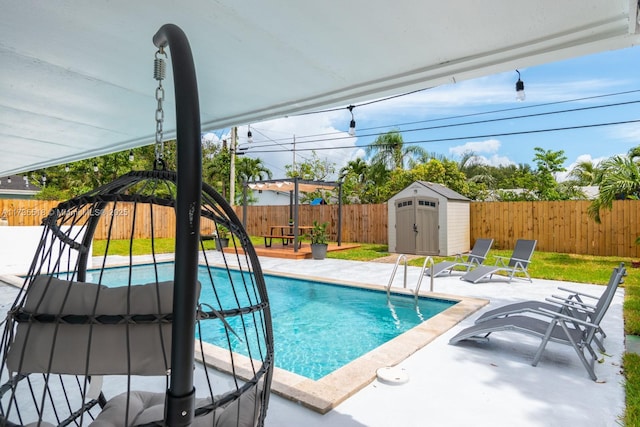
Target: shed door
(427, 242)
(417, 226)
(405, 220)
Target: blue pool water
(317, 327)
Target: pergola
(294, 186)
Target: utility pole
(232, 184)
(294, 153)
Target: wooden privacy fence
(119, 219)
(562, 226)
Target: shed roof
(445, 192)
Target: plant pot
(319, 250)
(221, 242)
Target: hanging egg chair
(182, 343)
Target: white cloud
(273, 141)
(563, 176)
(445, 99)
(628, 132)
(498, 89)
(488, 146)
(486, 152)
(495, 160)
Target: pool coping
(329, 391)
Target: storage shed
(428, 219)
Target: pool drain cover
(392, 375)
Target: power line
(572, 110)
(362, 104)
(277, 143)
(547, 104)
(488, 120)
(491, 135)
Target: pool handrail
(428, 261)
(393, 273)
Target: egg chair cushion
(83, 328)
(148, 407)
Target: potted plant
(318, 236)
(222, 237)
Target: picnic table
(285, 233)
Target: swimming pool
(318, 327)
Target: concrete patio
(489, 384)
(481, 384)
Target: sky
(578, 93)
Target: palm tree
(585, 173)
(475, 171)
(356, 168)
(249, 169)
(389, 150)
(426, 157)
(620, 180)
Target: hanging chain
(159, 68)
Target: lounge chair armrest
(500, 260)
(459, 258)
(569, 302)
(569, 318)
(582, 294)
(477, 260)
(573, 304)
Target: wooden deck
(277, 250)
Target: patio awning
(76, 76)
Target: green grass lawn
(544, 265)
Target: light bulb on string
(352, 124)
(520, 95)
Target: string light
(249, 135)
(66, 168)
(95, 167)
(520, 95)
(352, 124)
(131, 155)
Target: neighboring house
(590, 192)
(17, 187)
(280, 192)
(270, 197)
